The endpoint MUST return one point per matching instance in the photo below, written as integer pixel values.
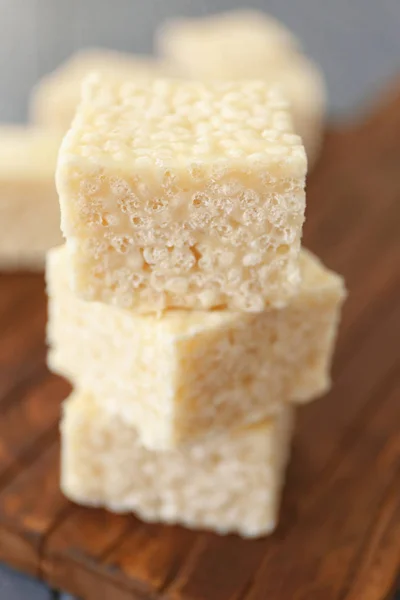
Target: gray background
(357, 42)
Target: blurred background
(356, 42)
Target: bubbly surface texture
(29, 208)
(183, 195)
(188, 375)
(248, 44)
(229, 484)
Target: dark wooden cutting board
(339, 534)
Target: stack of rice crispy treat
(182, 306)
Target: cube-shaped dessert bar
(224, 45)
(230, 484)
(187, 375)
(29, 207)
(247, 44)
(181, 194)
(54, 100)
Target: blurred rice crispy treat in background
(29, 207)
(55, 98)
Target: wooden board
(339, 535)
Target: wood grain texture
(339, 533)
